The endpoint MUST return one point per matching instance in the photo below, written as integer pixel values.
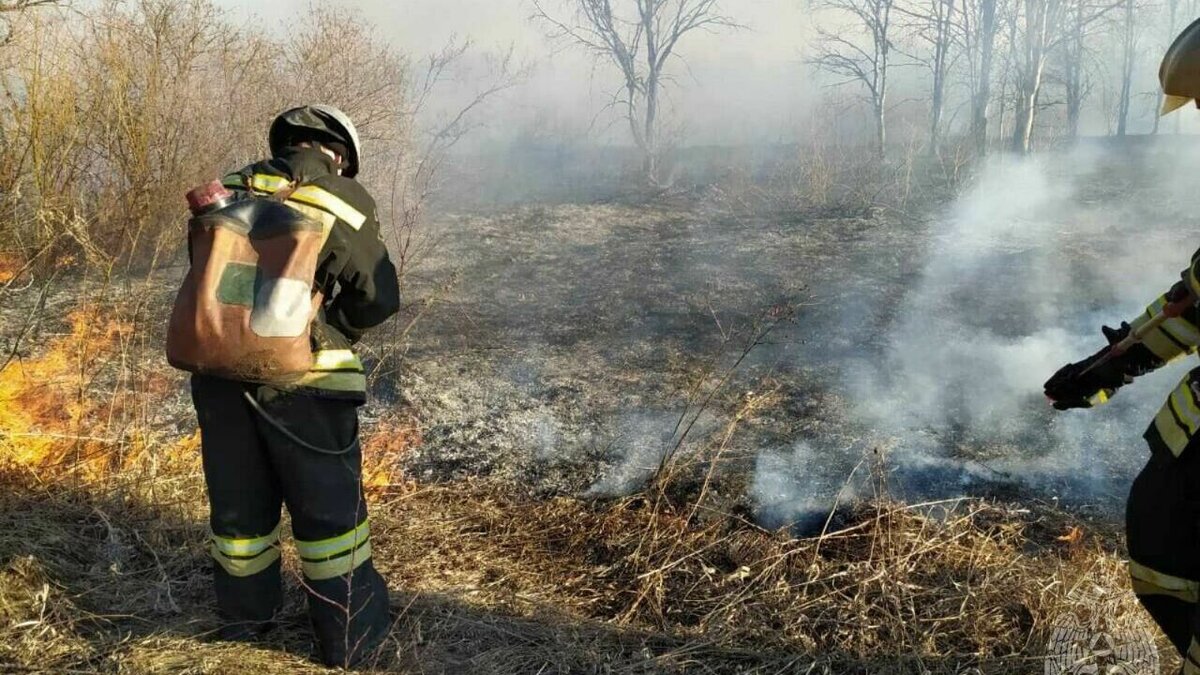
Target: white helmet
(321, 122)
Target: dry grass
(487, 581)
(103, 568)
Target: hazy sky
(747, 85)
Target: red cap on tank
(210, 194)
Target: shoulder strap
(281, 195)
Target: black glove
(1070, 387)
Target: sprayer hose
(292, 437)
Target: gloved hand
(1070, 387)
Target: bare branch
(639, 38)
(16, 7)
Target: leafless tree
(1039, 23)
(934, 23)
(865, 62)
(1129, 44)
(639, 38)
(1081, 20)
(979, 28)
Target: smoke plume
(1020, 273)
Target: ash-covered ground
(569, 349)
(571, 344)
(567, 346)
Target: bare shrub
(112, 115)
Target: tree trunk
(1173, 8)
(651, 133)
(941, 52)
(1074, 73)
(1025, 112)
(935, 118)
(1127, 58)
(1037, 26)
(882, 48)
(1074, 108)
(983, 94)
(650, 161)
(880, 129)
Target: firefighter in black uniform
(1163, 511)
(299, 446)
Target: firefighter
(266, 446)
(1162, 518)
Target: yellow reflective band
(326, 220)
(329, 569)
(1099, 398)
(333, 381)
(268, 183)
(336, 359)
(1170, 431)
(1182, 330)
(311, 194)
(249, 546)
(244, 567)
(234, 180)
(334, 545)
(1185, 406)
(1163, 344)
(1152, 582)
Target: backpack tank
(245, 309)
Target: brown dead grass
(487, 581)
(107, 571)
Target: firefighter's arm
(368, 291)
(1097, 378)
(1177, 336)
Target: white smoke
(643, 439)
(798, 487)
(1020, 274)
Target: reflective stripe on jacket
(1176, 426)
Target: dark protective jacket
(1176, 428)
(354, 273)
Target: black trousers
(1162, 523)
(252, 468)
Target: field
(629, 435)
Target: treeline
(1001, 74)
(110, 114)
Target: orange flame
(383, 450)
(49, 414)
(10, 266)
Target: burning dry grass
(77, 407)
(46, 409)
(107, 572)
(10, 267)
